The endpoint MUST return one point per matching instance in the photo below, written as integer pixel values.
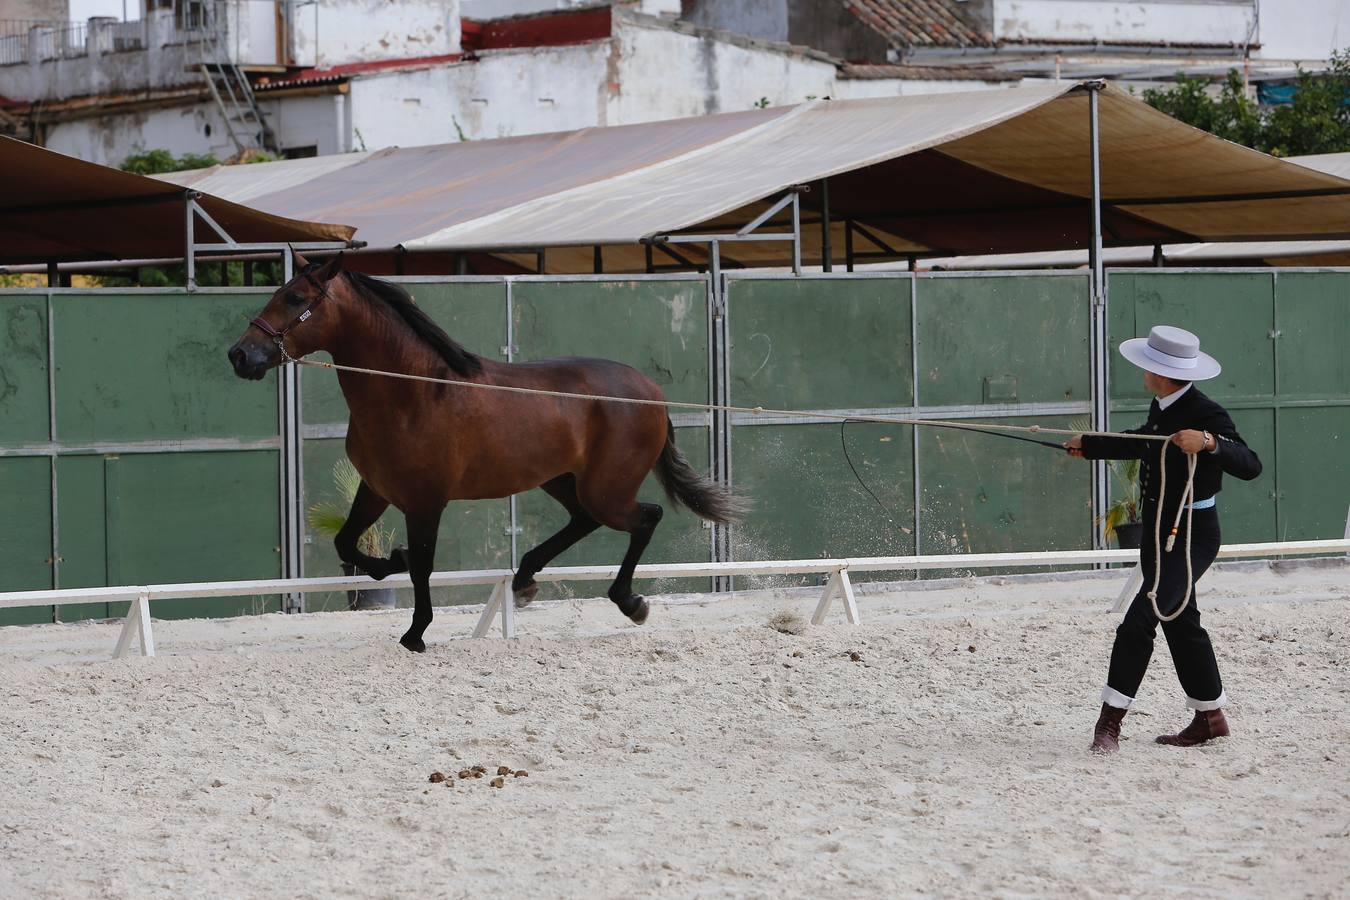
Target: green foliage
(1317, 121)
(1125, 473)
(328, 517)
(154, 162)
(1125, 510)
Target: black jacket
(1191, 410)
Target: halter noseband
(279, 337)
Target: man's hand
(1075, 446)
(1190, 441)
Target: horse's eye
(294, 299)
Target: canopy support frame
(1098, 337)
(748, 232)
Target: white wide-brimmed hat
(1172, 352)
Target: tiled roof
(920, 23)
(334, 74)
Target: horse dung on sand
(420, 445)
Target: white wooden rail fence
(501, 601)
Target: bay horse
(420, 446)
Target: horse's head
(300, 318)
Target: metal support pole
(598, 261)
(1098, 337)
(292, 500)
(826, 263)
(796, 233)
(190, 252)
(721, 395)
(513, 528)
(914, 432)
(848, 244)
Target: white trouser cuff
(1208, 705)
(1113, 697)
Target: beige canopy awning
(55, 208)
(944, 175)
(981, 172)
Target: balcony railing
(25, 40)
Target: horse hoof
(636, 609)
(416, 645)
(525, 595)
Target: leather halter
(279, 337)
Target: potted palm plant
(327, 518)
(1121, 518)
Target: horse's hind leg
(640, 521)
(564, 490)
(367, 507)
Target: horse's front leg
(422, 528)
(367, 507)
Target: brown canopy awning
(55, 208)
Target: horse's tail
(699, 494)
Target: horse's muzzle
(249, 362)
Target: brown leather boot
(1106, 733)
(1207, 725)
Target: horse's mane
(461, 361)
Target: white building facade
(333, 76)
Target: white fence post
(137, 622)
(502, 601)
(839, 583)
(1132, 586)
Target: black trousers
(1192, 652)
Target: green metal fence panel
(1313, 472)
(473, 535)
(83, 531)
(1234, 314)
(979, 494)
(26, 534)
(660, 327)
(821, 344)
(180, 517)
(1018, 343)
(1312, 321)
(998, 340)
(809, 505)
(1281, 338)
(23, 369)
(136, 367)
(473, 313)
(1250, 510)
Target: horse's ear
(300, 261)
(330, 269)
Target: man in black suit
(1172, 362)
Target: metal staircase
(233, 94)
